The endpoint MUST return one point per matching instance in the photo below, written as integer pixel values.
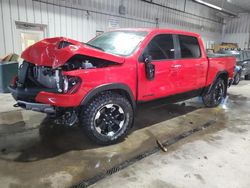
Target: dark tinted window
(190, 47)
(161, 47)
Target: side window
(161, 47)
(189, 47)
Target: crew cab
(100, 83)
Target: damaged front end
(50, 77)
(32, 80)
(55, 52)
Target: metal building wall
(237, 30)
(80, 19)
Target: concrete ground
(34, 152)
(207, 159)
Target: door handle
(176, 66)
(198, 64)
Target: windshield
(118, 42)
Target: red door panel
(161, 49)
(194, 66)
(193, 74)
(164, 84)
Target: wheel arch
(221, 74)
(120, 88)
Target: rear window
(189, 47)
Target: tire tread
(89, 110)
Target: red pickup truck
(100, 83)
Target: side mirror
(149, 67)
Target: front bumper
(23, 94)
(46, 108)
(27, 94)
(47, 96)
(26, 99)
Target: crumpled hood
(47, 52)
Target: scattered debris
(163, 148)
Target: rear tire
(215, 96)
(236, 79)
(247, 77)
(107, 118)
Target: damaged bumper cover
(47, 97)
(27, 94)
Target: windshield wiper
(93, 46)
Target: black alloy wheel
(216, 95)
(107, 118)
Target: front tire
(215, 96)
(107, 118)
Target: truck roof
(160, 30)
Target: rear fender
(218, 75)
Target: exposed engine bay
(85, 62)
(31, 76)
(46, 77)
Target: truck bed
(217, 55)
(225, 63)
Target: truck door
(161, 49)
(194, 67)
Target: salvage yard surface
(212, 158)
(37, 153)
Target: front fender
(107, 87)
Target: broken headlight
(71, 84)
